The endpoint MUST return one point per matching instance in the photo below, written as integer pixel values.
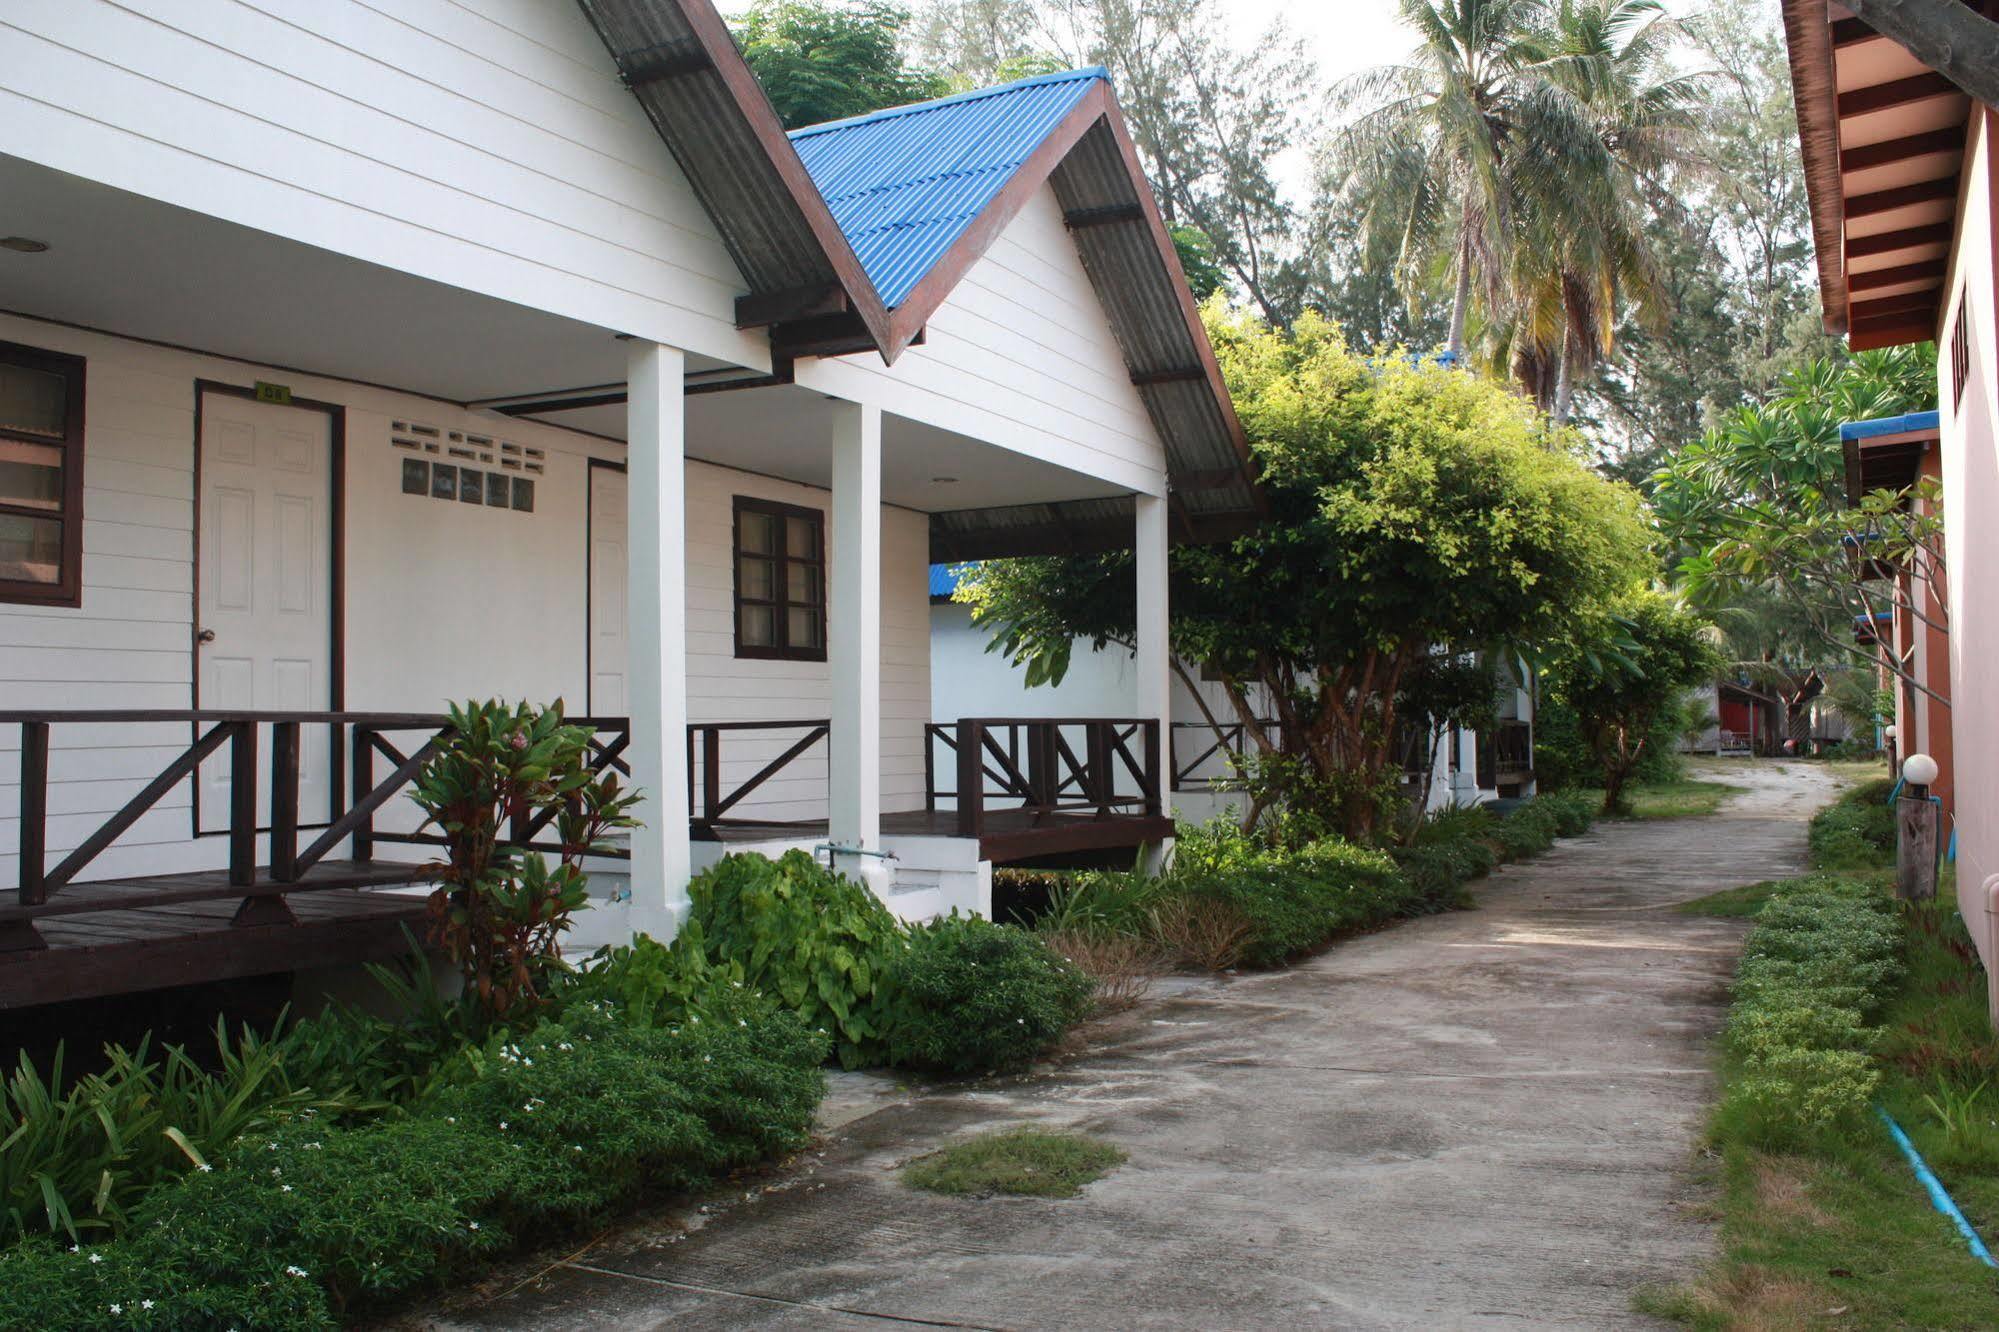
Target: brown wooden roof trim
(720, 58)
(1809, 42)
(1169, 254)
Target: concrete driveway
(1478, 1119)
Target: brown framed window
(41, 477)
(780, 581)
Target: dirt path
(1479, 1119)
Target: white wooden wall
(487, 144)
(1020, 354)
(444, 601)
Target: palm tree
(1425, 165)
(1600, 138)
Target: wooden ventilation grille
(1960, 351)
(465, 468)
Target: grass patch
(1689, 798)
(1831, 1217)
(1022, 1162)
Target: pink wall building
(1904, 186)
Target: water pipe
(1938, 1198)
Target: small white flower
(76, 1248)
(706, 1059)
(1021, 1021)
(205, 1168)
(312, 1147)
(145, 1304)
(294, 1271)
(277, 1170)
(451, 1119)
(528, 1062)
(286, 1187)
(503, 1126)
(117, 1308)
(96, 1257)
(471, 1225)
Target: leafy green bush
(299, 1225)
(1527, 831)
(975, 997)
(1573, 812)
(1293, 899)
(1100, 902)
(1438, 871)
(500, 911)
(818, 943)
(1855, 832)
(1815, 972)
(76, 1160)
(651, 984)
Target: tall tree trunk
(1565, 384)
(1461, 299)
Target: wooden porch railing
(711, 798)
(1506, 752)
(290, 865)
(1233, 743)
(1045, 766)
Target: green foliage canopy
(821, 62)
(1411, 506)
(1618, 698)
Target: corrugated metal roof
(943, 579)
(1907, 424)
(905, 183)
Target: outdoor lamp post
(1888, 736)
(1918, 816)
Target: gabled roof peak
(1085, 74)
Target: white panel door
(610, 642)
(264, 605)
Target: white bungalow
(350, 363)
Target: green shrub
(1437, 872)
(1293, 899)
(298, 1226)
(1527, 831)
(975, 997)
(499, 911)
(1573, 812)
(1852, 836)
(76, 1160)
(651, 984)
(1816, 969)
(817, 942)
(1101, 902)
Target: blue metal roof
(905, 183)
(943, 579)
(1907, 424)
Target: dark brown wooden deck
(148, 934)
(1008, 835)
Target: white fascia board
(882, 387)
(52, 137)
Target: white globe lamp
(1919, 770)
(1889, 732)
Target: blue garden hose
(1938, 1198)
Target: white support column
(656, 594)
(1154, 666)
(853, 630)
